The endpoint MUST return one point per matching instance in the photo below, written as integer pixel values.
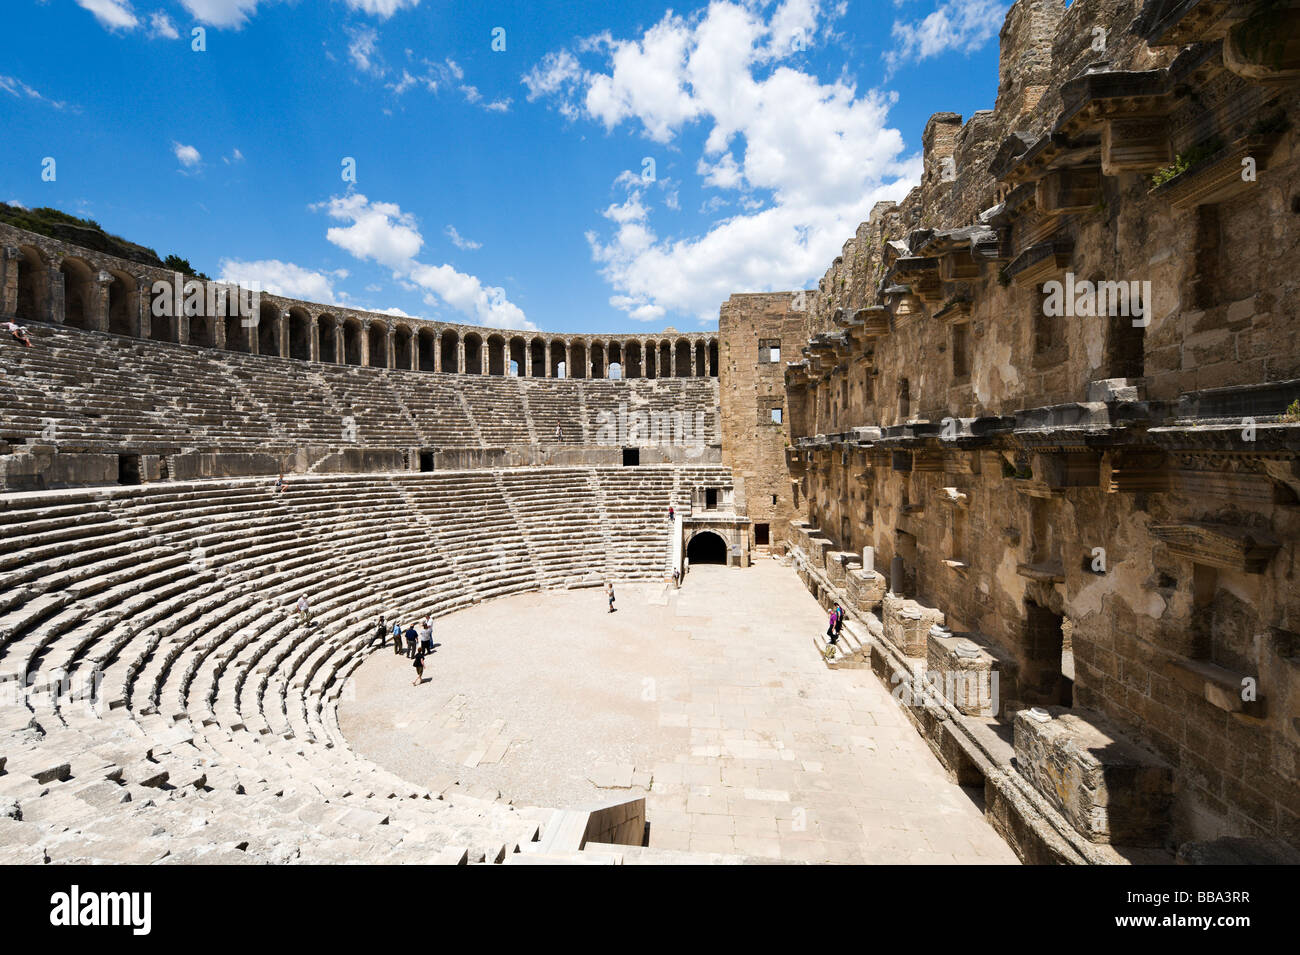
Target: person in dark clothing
(839, 622)
(418, 663)
(412, 638)
(381, 631)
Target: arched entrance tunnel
(706, 548)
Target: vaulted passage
(706, 547)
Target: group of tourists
(415, 642)
(835, 624)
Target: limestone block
(838, 565)
(1110, 790)
(966, 671)
(907, 624)
(817, 548)
(866, 589)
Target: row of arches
(116, 302)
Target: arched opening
(713, 358)
(577, 360)
(559, 365)
(615, 371)
(449, 359)
(706, 547)
(402, 340)
(683, 367)
(538, 349)
(597, 360)
(299, 334)
(237, 333)
(664, 366)
(614, 356)
(701, 362)
(203, 331)
(473, 354)
(78, 293)
(33, 285)
(352, 332)
(496, 349)
(632, 360)
(518, 356)
(123, 305)
(377, 343)
(428, 348)
(327, 333)
(268, 329)
(165, 327)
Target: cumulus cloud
(381, 232)
(160, 25)
(284, 278)
(434, 75)
(188, 156)
(960, 25)
(363, 51)
(221, 13)
(382, 8)
(111, 14)
(803, 160)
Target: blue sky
(616, 167)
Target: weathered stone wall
(1109, 507)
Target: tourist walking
(831, 621)
(839, 622)
(559, 435)
(418, 663)
(381, 631)
(609, 592)
(426, 636)
(304, 610)
(411, 639)
(397, 638)
(672, 514)
(677, 579)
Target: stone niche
(1109, 790)
(907, 625)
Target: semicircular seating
(161, 701)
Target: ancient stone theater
(1034, 434)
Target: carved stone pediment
(1219, 545)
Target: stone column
(460, 355)
(390, 347)
(437, 352)
(591, 363)
(282, 339)
(340, 349)
(365, 342)
(9, 281)
(99, 308)
(56, 307)
(313, 337)
(144, 308)
(527, 370)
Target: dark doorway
(631, 457)
(426, 460)
(710, 498)
(128, 469)
(1043, 679)
(706, 548)
(761, 535)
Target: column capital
(12, 252)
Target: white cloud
(111, 14)
(160, 25)
(221, 13)
(437, 75)
(363, 51)
(961, 25)
(382, 8)
(381, 232)
(284, 278)
(803, 160)
(16, 87)
(459, 241)
(235, 157)
(16, 204)
(188, 156)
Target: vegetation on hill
(89, 234)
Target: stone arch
(578, 360)
(713, 358)
(701, 360)
(473, 353)
(352, 337)
(78, 293)
(427, 349)
(537, 351)
(651, 369)
(165, 327)
(124, 305)
(682, 368)
(203, 331)
(664, 366)
(237, 333)
(327, 334)
(299, 334)
(403, 340)
(632, 360)
(559, 359)
(268, 329)
(597, 360)
(377, 342)
(614, 355)
(517, 357)
(496, 355)
(33, 284)
(706, 547)
(449, 344)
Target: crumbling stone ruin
(1038, 427)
